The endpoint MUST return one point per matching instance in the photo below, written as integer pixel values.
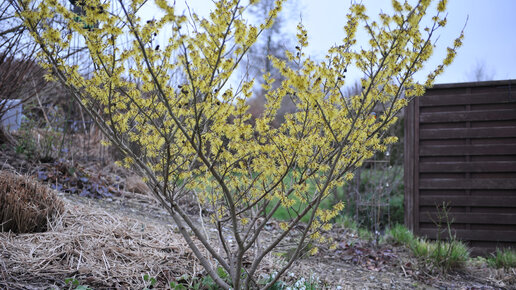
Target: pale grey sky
(490, 33)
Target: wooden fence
(460, 149)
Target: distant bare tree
(354, 89)
(480, 72)
(273, 42)
(20, 76)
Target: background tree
(20, 76)
(23, 79)
(480, 72)
(273, 43)
(195, 136)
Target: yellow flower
(441, 6)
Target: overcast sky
(490, 33)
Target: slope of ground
(117, 240)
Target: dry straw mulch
(99, 249)
(25, 204)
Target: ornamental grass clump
(26, 206)
(401, 235)
(443, 255)
(176, 112)
(502, 258)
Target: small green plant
(311, 283)
(278, 285)
(76, 285)
(26, 144)
(365, 234)
(401, 235)
(306, 284)
(449, 255)
(444, 255)
(208, 282)
(347, 222)
(149, 281)
(205, 282)
(177, 286)
(47, 139)
(37, 143)
(478, 262)
(420, 248)
(502, 258)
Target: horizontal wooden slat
(490, 115)
(462, 133)
(455, 183)
(474, 201)
(465, 99)
(493, 166)
(462, 150)
(472, 218)
(484, 251)
(475, 235)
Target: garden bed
(121, 240)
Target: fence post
(409, 171)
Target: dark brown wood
(480, 201)
(460, 149)
(477, 235)
(465, 99)
(473, 218)
(463, 133)
(493, 166)
(416, 164)
(456, 183)
(473, 85)
(409, 158)
(482, 251)
(455, 150)
(488, 115)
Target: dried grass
(25, 204)
(98, 249)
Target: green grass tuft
(449, 255)
(365, 234)
(401, 235)
(444, 255)
(347, 222)
(505, 258)
(420, 248)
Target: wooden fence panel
(460, 149)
